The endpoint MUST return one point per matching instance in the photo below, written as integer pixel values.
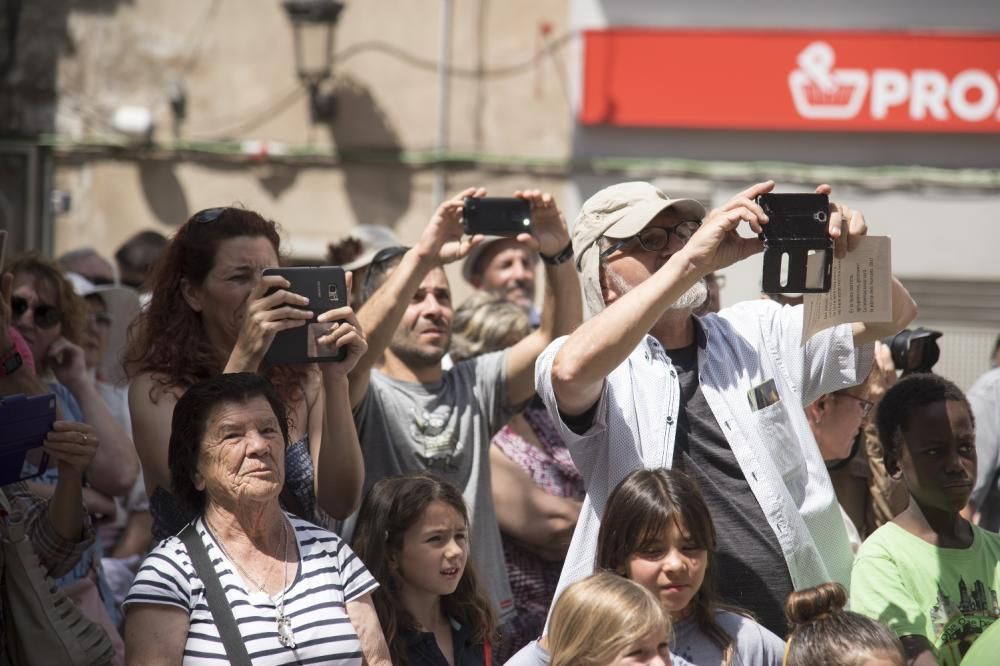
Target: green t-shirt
(948, 595)
(986, 648)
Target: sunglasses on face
(44, 315)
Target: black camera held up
(914, 349)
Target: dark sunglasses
(208, 215)
(45, 315)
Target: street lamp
(313, 22)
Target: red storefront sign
(847, 81)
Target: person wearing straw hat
(645, 383)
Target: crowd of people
(625, 473)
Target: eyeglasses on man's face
(655, 239)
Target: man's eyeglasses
(654, 239)
(208, 215)
(866, 405)
(45, 315)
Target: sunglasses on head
(208, 215)
(45, 315)
(383, 256)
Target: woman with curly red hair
(210, 313)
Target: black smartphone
(798, 250)
(326, 288)
(497, 216)
(795, 216)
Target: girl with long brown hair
(212, 312)
(657, 531)
(413, 536)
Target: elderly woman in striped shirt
(287, 590)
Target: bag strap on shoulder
(13, 526)
(229, 631)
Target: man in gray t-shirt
(444, 428)
(413, 416)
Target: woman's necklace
(285, 634)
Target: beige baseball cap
(623, 210)
(618, 211)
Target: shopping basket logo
(821, 92)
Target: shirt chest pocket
(782, 445)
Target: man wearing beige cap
(644, 383)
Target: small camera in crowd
(914, 349)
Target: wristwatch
(10, 361)
(562, 257)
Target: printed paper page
(860, 290)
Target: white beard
(691, 299)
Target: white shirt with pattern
(740, 348)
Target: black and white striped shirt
(329, 575)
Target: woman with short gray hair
(245, 576)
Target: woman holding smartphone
(210, 312)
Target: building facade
(432, 97)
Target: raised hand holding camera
(444, 236)
(847, 226)
(717, 244)
(320, 289)
(549, 235)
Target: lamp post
(313, 22)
